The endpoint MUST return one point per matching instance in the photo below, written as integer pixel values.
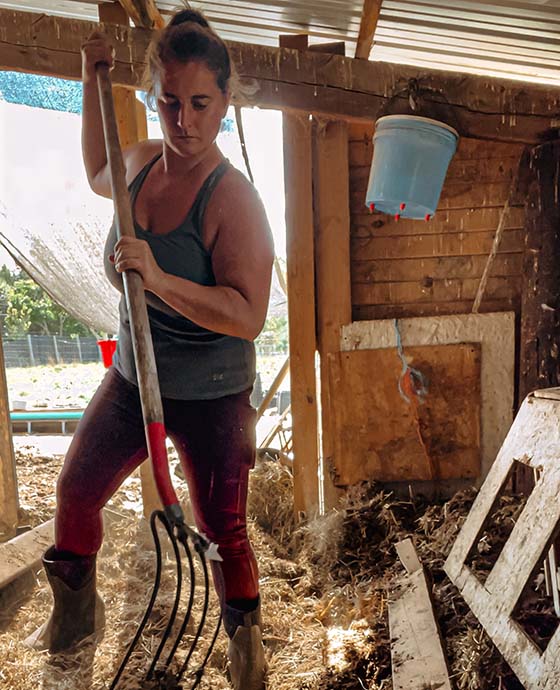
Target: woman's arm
(242, 257)
(97, 49)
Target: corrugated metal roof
(511, 39)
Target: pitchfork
(172, 518)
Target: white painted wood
(407, 554)
(534, 439)
(495, 333)
(548, 393)
(418, 662)
(24, 552)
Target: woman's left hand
(132, 254)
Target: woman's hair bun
(188, 15)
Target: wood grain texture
(282, 78)
(383, 437)
(332, 268)
(9, 502)
(301, 309)
(534, 439)
(418, 661)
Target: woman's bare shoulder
(138, 155)
(234, 185)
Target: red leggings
(215, 440)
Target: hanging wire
(416, 384)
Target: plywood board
(495, 332)
(534, 440)
(382, 436)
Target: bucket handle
(415, 94)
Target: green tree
(27, 308)
(275, 333)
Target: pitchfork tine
(157, 514)
(176, 603)
(194, 643)
(189, 608)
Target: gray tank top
(193, 363)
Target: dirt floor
(324, 590)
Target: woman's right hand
(96, 49)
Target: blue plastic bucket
(410, 159)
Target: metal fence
(35, 350)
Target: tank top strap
(138, 181)
(198, 210)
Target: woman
(203, 247)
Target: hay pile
(323, 585)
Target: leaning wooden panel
(24, 552)
(382, 436)
(417, 656)
(534, 439)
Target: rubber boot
(247, 663)
(78, 610)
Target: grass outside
(73, 385)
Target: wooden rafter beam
(284, 79)
(370, 17)
(143, 13)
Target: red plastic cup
(107, 348)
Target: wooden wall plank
(373, 312)
(282, 78)
(444, 244)
(442, 268)
(447, 290)
(471, 171)
(297, 131)
(332, 268)
(468, 150)
(455, 195)
(444, 221)
(9, 503)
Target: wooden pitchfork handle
(146, 372)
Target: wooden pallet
(534, 440)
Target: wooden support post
(9, 503)
(540, 302)
(143, 13)
(370, 17)
(301, 309)
(133, 127)
(332, 270)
